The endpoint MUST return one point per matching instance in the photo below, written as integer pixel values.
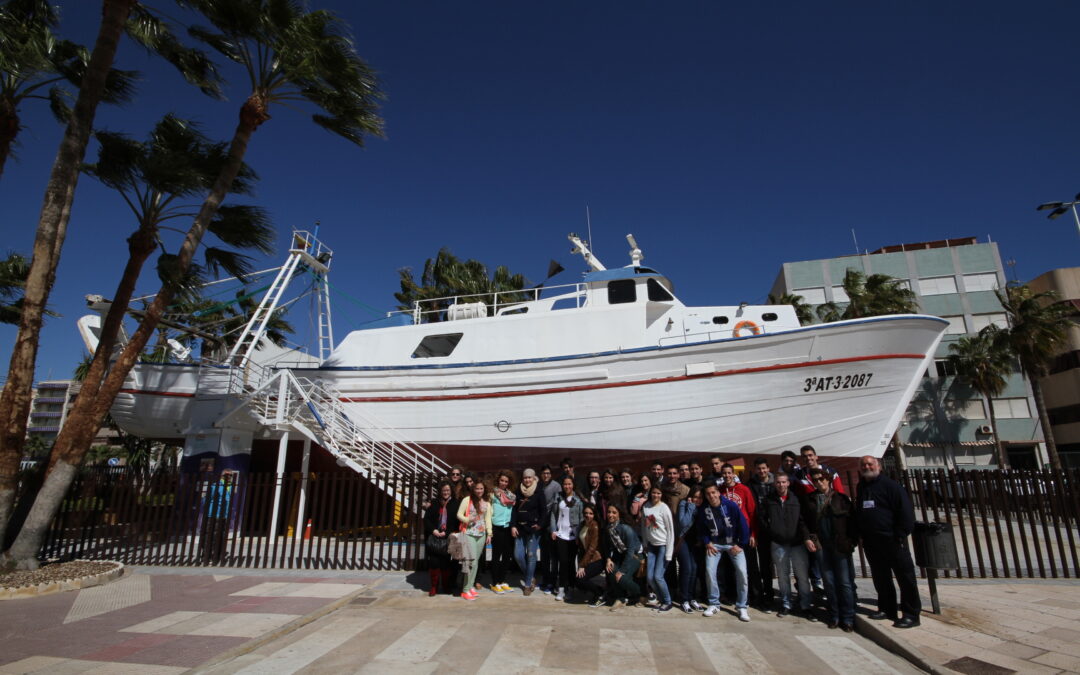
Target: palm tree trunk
(52, 228)
(1044, 421)
(24, 549)
(999, 452)
(9, 129)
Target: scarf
(528, 492)
(505, 497)
(617, 543)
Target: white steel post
(304, 464)
(279, 479)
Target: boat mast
(583, 249)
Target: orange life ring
(754, 328)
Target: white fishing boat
(610, 370)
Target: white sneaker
(711, 610)
(697, 606)
(743, 614)
(560, 595)
(686, 607)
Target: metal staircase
(290, 403)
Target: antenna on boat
(583, 248)
(855, 240)
(636, 256)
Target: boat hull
(840, 387)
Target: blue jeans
(687, 571)
(525, 548)
(656, 564)
(788, 559)
(738, 560)
(839, 592)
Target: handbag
(456, 546)
(437, 545)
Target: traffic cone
(307, 531)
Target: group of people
(677, 537)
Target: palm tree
(34, 63)
(874, 295)
(446, 276)
(798, 303)
(118, 17)
(982, 362)
(1037, 329)
(289, 55)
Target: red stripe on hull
(635, 383)
(146, 392)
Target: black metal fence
(328, 521)
(1007, 524)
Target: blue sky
(728, 137)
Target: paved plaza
(223, 621)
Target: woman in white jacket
(658, 537)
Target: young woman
(502, 539)
(590, 562)
(641, 495)
(439, 521)
(621, 560)
(833, 536)
(658, 535)
(474, 513)
(528, 526)
(565, 522)
(687, 549)
(611, 492)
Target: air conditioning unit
(986, 429)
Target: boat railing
(498, 303)
(710, 335)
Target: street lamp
(1059, 208)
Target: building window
(956, 325)
(971, 409)
(918, 411)
(437, 345)
(657, 292)
(1011, 408)
(1066, 361)
(980, 282)
(937, 285)
(944, 368)
(839, 294)
(1068, 414)
(980, 321)
(812, 296)
(621, 291)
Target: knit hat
(527, 473)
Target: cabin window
(768, 316)
(721, 320)
(621, 291)
(437, 345)
(658, 293)
(565, 303)
(515, 310)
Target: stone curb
(279, 633)
(884, 638)
(64, 585)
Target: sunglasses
(823, 479)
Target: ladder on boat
(312, 254)
(358, 441)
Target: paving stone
(1056, 660)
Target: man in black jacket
(885, 519)
(762, 485)
(781, 522)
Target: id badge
(868, 504)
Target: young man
(724, 531)
(717, 463)
(674, 490)
(740, 494)
(697, 475)
(592, 490)
(810, 462)
(762, 484)
(781, 521)
(548, 560)
(684, 473)
(657, 470)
